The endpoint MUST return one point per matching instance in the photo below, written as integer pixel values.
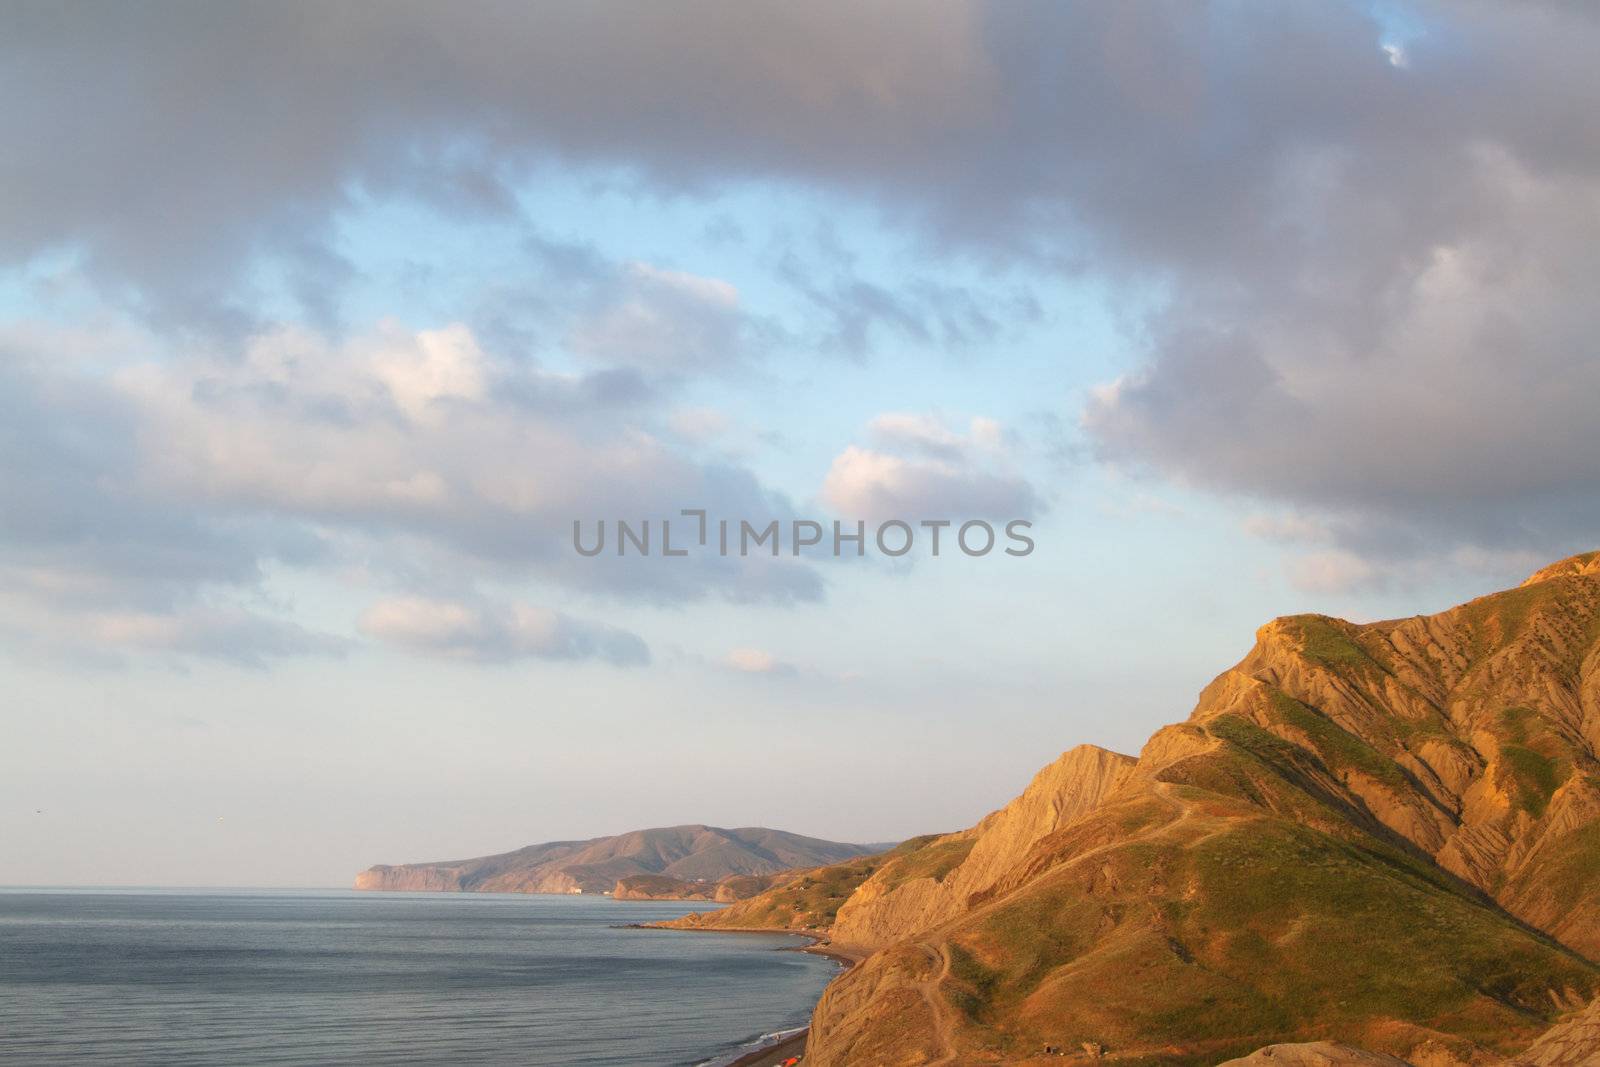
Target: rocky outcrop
(660, 887)
(685, 854)
(1573, 1043)
(1327, 849)
(435, 878)
(1588, 563)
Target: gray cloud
(1454, 405)
(73, 519)
(174, 144)
(851, 313)
(643, 324)
(667, 321)
(142, 502)
(1370, 281)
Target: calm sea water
(256, 977)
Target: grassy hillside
(1386, 834)
(810, 901)
(688, 854)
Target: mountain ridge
(1383, 834)
(692, 852)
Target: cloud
(38, 625)
(148, 498)
(1448, 411)
(1333, 572)
(294, 130)
(698, 425)
(427, 435)
(667, 321)
(1291, 529)
(75, 522)
(757, 661)
(851, 314)
(928, 434)
(435, 368)
(636, 320)
(924, 469)
(487, 632)
(1357, 270)
(214, 633)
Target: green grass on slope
(932, 861)
(1264, 914)
(1534, 760)
(1568, 870)
(811, 901)
(1326, 642)
(1514, 723)
(1339, 748)
(1497, 619)
(1263, 769)
(1534, 777)
(1346, 932)
(1255, 930)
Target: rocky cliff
(1384, 834)
(1574, 1042)
(922, 888)
(685, 854)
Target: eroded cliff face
(1344, 841)
(438, 879)
(923, 889)
(1470, 734)
(1574, 1042)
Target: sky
(320, 326)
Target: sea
(143, 976)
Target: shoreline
(794, 1045)
(820, 945)
(774, 1055)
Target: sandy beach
(775, 1055)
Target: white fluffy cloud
(152, 486)
(1367, 294)
(924, 469)
(431, 369)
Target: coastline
(775, 1054)
(820, 945)
(793, 1044)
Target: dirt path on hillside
(937, 1008)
